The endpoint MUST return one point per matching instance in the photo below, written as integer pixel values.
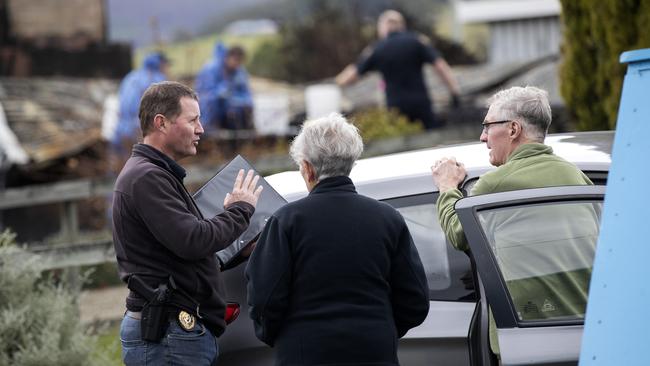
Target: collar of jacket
(159, 158)
(528, 150)
(340, 183)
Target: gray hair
(528, 105)
(330, 144)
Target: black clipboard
(209, 198)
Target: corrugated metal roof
(51, 118)
(487, 11)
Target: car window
(545, 254)
(448, 271)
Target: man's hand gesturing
(244, 189)
(448, 174)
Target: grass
(108, 345)
(189, 56)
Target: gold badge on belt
(186, 320)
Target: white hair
(330, 144)
(528, 105)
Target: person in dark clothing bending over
(164, 246)
(399, 56)
(335, 278)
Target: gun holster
(155, 313)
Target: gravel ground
(103, 305)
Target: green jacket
(531, 165)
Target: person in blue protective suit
(127, 131)
(224, 94)
(153, 70)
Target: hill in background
(130, 21)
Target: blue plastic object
(617, 322)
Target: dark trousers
(417, 110)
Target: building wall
(525, 39)
(38, 19)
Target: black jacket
(400, 57)
(158, 231)
(336, 279)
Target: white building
(250, 27)
(520, 30)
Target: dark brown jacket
(158, 231)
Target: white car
(456, 329)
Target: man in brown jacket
(164, 246)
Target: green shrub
(39, 318)
(101, 275)
(380, 123)
(268, 60)
(595, 34)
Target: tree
(318, 45)
(595, 34)
(39, 321)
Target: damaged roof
(49, 118)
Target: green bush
(268, 60)
(39, 318)
(101, 275)
(380, 123)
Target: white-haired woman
(335, 278)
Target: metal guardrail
(78, 254)
(76, 249)
(68, 191)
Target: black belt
(186, 320)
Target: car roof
(590, 151)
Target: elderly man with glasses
(514, 130)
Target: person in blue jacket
(224, 94)
(153, 70)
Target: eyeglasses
(486, 124)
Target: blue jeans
(177, 347)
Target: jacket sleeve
(367, 61)
(167, 217)
(449, 219)
(409, 288)
(447, 213)
(268, 274)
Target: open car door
(533, 251)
